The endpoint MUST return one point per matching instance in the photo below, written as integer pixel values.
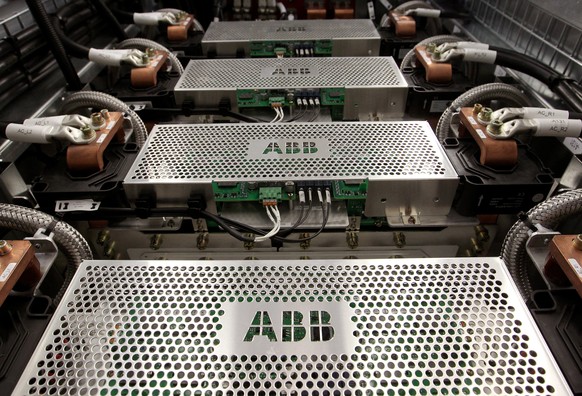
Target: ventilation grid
(220, 152)
(290, 30)
(344, 72)
(419, 327)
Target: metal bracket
(538, 248)
(46, 252)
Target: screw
(156, 241)
(202, 241)
(477, 107)
(577, 242)
(103, 237)
(151, 52)
(485, 115)
(88, 132)
(97, 120)
(145, 59)
(5, 247)
(482, 233)
(494, 127)
(436, 54)
(399, 239)
(105, 114)
(411, 220)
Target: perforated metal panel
(372, 84)
(383, 327)
(359, 37)
(324, 73)
(222, 152)
(180, 160)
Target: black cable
(110, 19)
(42, 19)
(76, 49)
(122, 16)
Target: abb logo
(293, 328)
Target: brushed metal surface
(402, 326)
(402, 160)
(359, 37)
(374, 86)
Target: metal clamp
(538, 247)
(46, 252)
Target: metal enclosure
(359, 37)
(403, 161)
(414, 326)
(374, 86)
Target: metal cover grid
(422, 327)
(343, 72)
(218, 152)
(279, 30)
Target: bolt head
(477, 107)
(577, 242)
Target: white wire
(276, 220)
(276, 117)
(282, 114)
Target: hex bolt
(485, 115)
(105, 114)
(436, 54)
(5, 247)
(97, 120)
(103, 236)
(88, 132)
(151, 52)
(431, 47)
(494, 127)
(477, 107)
(145, 59)
(399, 239)
(156, 241)
(577, 242)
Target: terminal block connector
(270, 195)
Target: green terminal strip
(289, 49)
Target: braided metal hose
(498, 91)
(142, 44)
(84, 99)
(68, 240)
(438, 40)
(548, 214)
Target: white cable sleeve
(425, 12)
(558, 127)
(147, 18)
(472, 44)
(29, 134)
(479, 55)
(542, 112)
